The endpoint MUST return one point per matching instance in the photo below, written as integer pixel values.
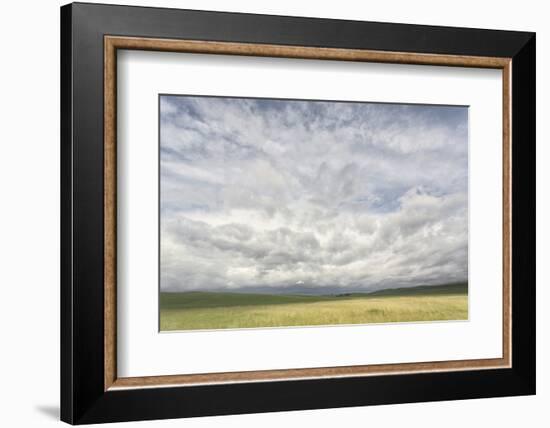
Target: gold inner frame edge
(113, 43)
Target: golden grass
(343, 310)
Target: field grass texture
(223, 310)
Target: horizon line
(301, 291)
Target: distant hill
(460, 288)
(291, 291)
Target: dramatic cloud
(275, 193)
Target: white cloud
(264, 193)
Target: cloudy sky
(259, 193)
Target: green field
(210, 310)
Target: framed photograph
(266, 213)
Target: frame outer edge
(66, 226)
(524, 217)
(82, 394)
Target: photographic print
(286, 213)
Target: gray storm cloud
(259, 193)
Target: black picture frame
(83, 397)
